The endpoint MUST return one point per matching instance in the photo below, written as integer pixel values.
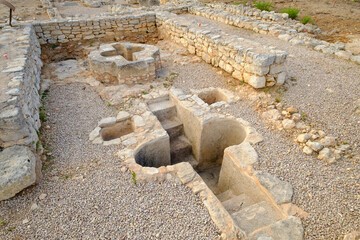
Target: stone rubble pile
(313, 142)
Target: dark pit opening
(212, 96)
(125, 51)
(117, 130)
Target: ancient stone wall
(247, 61)
(138, 26)
(20, 100)
(19, 109)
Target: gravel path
(88, 196)
(330, 194)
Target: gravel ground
(88, 197)
(330, 194)
(326, 87)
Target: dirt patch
(24, 10)
(339, 20)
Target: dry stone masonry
(128, 63)
(242, 202)
(19, 112)
(137, 27)
(247, 61)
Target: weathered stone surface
(303, 138)
(316, 146)
(122, 115)
(94, 133)
(263, 237)
(281, 191)
(106, 122)
(307, 150)
(288, 124)
(286, 229)
(324, 154)
(244, 153)
(328, 141)
(185, 172)
(17, 170)
(138, 121)
(352, 236)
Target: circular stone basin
(125, 63)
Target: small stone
(292, 110)
(123, 169)
(94, 134)
(300, 125)
(288, 124)
(307, 150)
(122, 115)
(328, 141)
(271, 115)
(303, 138)
(324, 154)
(316, 146)
(138, 121)
(106, 122)
(42, 196)
(25, 221)
(331, 160)
(34, 206)
(352, 236)
(322, 133)
(47, 127)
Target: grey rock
(328, 141)
(106, 122)
(324, 154)
(17, 170)
(286, 229)
(280, 190)
(302, 138)
(263, 237)
(316, 146)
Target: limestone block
(244, 153)
(255, 81)
(281, 191)
(290, 228)
(17, 170)
(277, 68)
(238, 75)
(280, 78)
(259, 70)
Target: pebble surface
(89, 195)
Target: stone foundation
(19, 110)
(137, 27)
(247, 61)
(243, 203)
(128, 63)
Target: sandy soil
(339, 20)
(26, 10)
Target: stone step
(180, 149)
(256, 216)
(173, 127)
(228, 194)
(237, 203)
(163, 109)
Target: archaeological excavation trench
(167, 134)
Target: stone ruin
(126, 62)
(174, 134)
